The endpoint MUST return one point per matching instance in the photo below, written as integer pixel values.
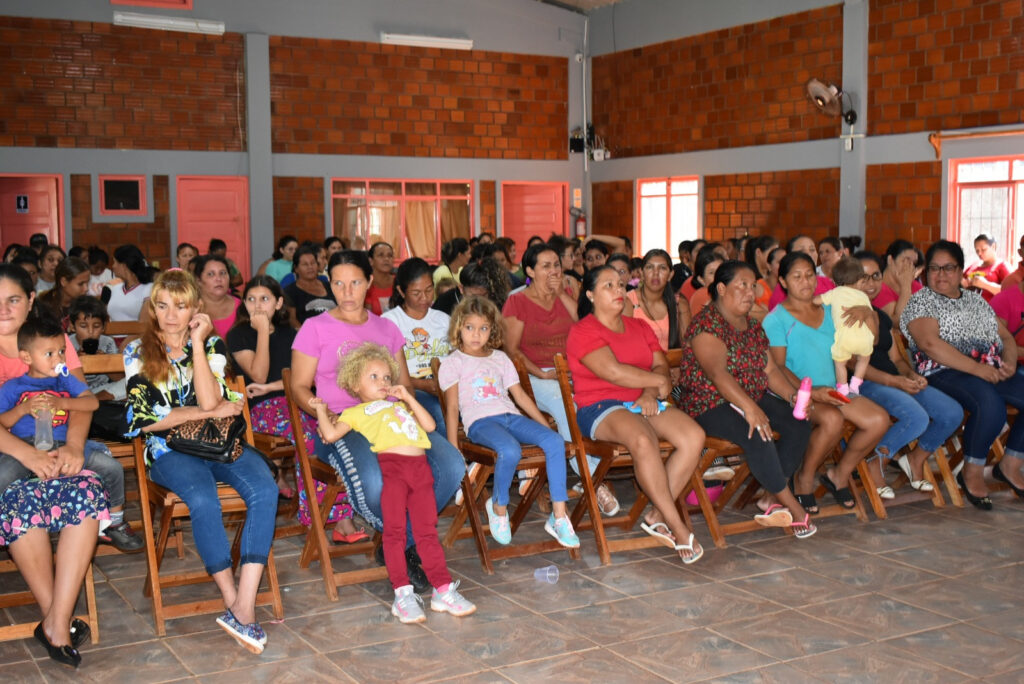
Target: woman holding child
(801, 334)
(175, 373)
(618, 367)
(317, 353)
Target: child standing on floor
(478, 379)
(852, 339)
(399, 438)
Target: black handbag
(214, 439)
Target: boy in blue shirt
(46, 385)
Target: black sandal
(809, 503)
(842, 495)
(997, 473)
(65, 655)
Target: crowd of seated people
(751, 317)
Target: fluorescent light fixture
(426, 41)
(156, 21)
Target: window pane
(983, 210)
(429, 189)
(385, 188)
(384, 219)
(684, 220)
(652, 227)
(455, 189)
(421, 229)
(1018, 169)
(349, 187)
(350, 218)
(650, 188)
(454, 219)
(121, 195)
(983, 171)
(687, 187)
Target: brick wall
(730, 88)
(488, 207)
(342, 97)
(944, 64)
(903, 200)
(154, 239)
(780, 203)
(81, 84)
(299, 208)
(613, 209)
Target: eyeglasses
(876, 276)
(948, 269)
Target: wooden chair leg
(869, 488)
(946, 471)
(90, 604)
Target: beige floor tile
(196, 653)
(305, 670)
(874, 664)
(796, 587)
(616, 621)
(711, 604)
(876, 617)
(581, 668)
(964, 648)
(691, 656)
(420, 659)
(149, 661)
(789, 634)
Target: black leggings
(771, 463)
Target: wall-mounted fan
(829, 99)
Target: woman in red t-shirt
(987, 275)
(621, 380)
(382, 283)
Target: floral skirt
(51, 505)
(271, 417)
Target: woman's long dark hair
(705, 257)
(282, 243)
(759, 242)
(410, 270)
(351, 257)
(134, 260)
(280, 319)
(453, 248)
(584, 306)
(668, 296)
(726, 273)
(789, 261)
(68, 269)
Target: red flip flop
(357, 536)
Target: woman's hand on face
(904, 273)
(758, 422)
(260, 322)
(824, 395)
(226, 409)
(200, 328)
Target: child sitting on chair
(88, 317)
(852, 339)
(480, 382)
(399, 438)
(48, 386)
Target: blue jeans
(505, 434)
(928, 416)
(358, 466)
(430, 402)
(195, 481)
(548, 396)
(987, 405)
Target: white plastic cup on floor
(548, 575)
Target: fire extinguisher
(581, 226)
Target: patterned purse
(213, 439)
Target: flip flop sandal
(809, 503)
(842, 495)
(666, 536)
(802, 529)
(688, 546)
(776, 515)
(352, 538)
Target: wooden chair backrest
(107, 364)
(119, 328)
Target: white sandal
(920, 485)
(694, 555)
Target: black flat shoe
(65, 655)
(998, 474)
(982, 502)
(842, 495)
(79, 632)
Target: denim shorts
(589, 417)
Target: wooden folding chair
(612, 455)
(172, 509)
(24, 630)
(473, 498)
(317, 547)
(124, 331)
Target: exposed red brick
(488, 206)
(299, 208)
(613, 208)
(154, 239)
(903, 200)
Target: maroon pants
(408, 488)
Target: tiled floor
(926, 596)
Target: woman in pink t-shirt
(621, 381)
(317, 353)
(219, 303)
(898, 282)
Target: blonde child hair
(476, 306)
(353, 363)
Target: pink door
(29, 204)
(215, 207)
(533, 209)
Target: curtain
(454, 219)
(421, 229)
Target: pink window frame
(163, 4)
(1008, 249)
(668, 180)
(143, 209)
(403, 198)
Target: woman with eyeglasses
(921, 412)
(958, 343)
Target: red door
(533, 209)
(215, 207)
(29, 204)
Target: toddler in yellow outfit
(852, 339)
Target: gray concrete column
(258, 139)
(852, 168)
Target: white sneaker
(451, 601)
(408, 606)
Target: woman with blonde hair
(175, 374)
